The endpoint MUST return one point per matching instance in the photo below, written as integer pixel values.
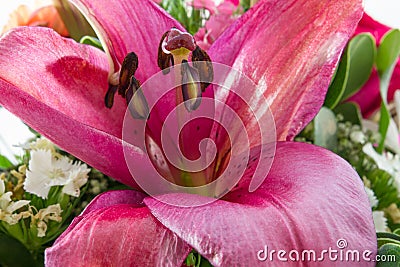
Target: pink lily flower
(218, 22)
(212, 7)
(221, 17)
(369, 97)
(311, 197)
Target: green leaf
(338, 85)
(354, 69)
(93, 41)
(194, 259)
(385, 238)
(5, 163)
(325, 128)
(388, 53)
(384, 122)
(362, 53)
(389, 254)
(350, 112)
(13, 253)
(397, 232)
(388, 50)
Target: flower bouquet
(202, 133)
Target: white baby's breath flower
(373, 201)
(7, 206)
(380, 221)
(358, 137)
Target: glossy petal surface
(291, 55)
(310, 199)
(44, 81)
(116, 234)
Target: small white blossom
(78, 177)
(381, 160)
(7, 206)
(42, 143)
(387, 162)
(52, 212)
(41, 228)
(358, 137)
(372, 198)
(380, 221)
(392, 135)
(45, 170)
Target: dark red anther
(128, 69)
(202, 62)
(164, 60)
(109, 99)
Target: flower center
(56, 173)
(191, 67)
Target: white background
(13, 132)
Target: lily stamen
(137, 103)
(178, 47)
(127, 87)
(191, 88)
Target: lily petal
(291, 55)
(310, 199)
(119, 235)
(44, 81)
(125, 26)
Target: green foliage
(389, 255)
(14, 253)
(5, 163)
(389, 249)
(388, 53)
(353, 70)
(245, 4)
(92, 41)
(192, 19)
(194, 259)
(383, 186)
(74, 21)
(350, 112)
